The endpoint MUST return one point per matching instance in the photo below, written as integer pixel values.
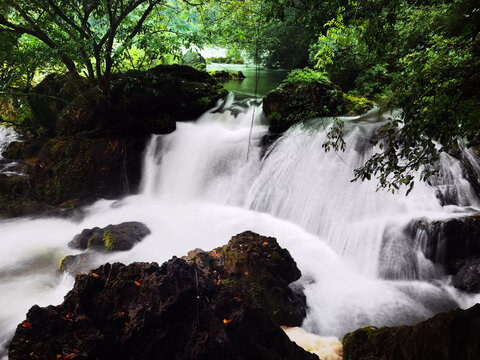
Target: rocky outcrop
(223, 75)
(90, 146)
(180, 310)
(119, 237)
(447, 336)
(261, 268)
(291, 103)
(450, 241)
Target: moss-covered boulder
(81, 168)
(142, 102)
(453, 335)
(223, 75)
(264, 270)
(306, 94)
(120, 237)
(298, 99)
(48, 99)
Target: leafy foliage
(306, 76)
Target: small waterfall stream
(198, 189)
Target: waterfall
(360, 265)
(7, 135)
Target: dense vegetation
(422, 57)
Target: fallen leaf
(95, 275)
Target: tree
(89, 35)
(424, 55)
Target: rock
(108, 168)
(291, 103)
(48, 99)
(446, 336)
(468, 276)
(449, 241)
(119, 237)
(195, 60)
(259, 266)
(146, 311)
(223, 75)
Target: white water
(199, 189)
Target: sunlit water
(199, 188)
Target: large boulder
(146, 311)
(453, 335)
(295, 101)
(306, 94)
(143, 102)
(48, 99)
(260, 267)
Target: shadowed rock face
(447, 336)
(455, 245)
(179, 310)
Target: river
(199, 188)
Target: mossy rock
(357, 105)
(294, 102)
(446, 336)
(119, 237)
(223, 75)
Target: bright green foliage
(94, 37)
(435, 83)
(306, 76)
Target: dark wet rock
(453, 335)
(81, 168)
(119, 237)
(146, 311)
(449, 242)
(468, 275)
(195, 60)
(48, 99)
(291, 103)
(259, 266)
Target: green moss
(357, 105)
(61, 263)
(108, 240)
(306, 75)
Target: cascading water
(199, 189)
(7, 135)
